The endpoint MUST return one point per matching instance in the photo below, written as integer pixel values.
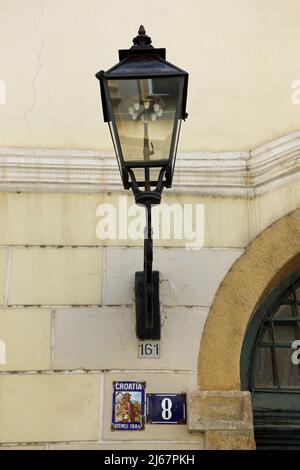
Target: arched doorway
(270, 366)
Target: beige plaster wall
(241, 56)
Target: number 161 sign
(166, 408)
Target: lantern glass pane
(145, 111)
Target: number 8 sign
(166, 408)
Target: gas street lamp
(144, 102)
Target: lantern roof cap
(141, 45)
(143, 65)
(142, 60)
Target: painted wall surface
(241, 56)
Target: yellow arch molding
(268, 258)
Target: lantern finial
(142, 39)
(141, 30)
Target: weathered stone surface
(23, 447)
(199, 445)
(55, 276)
(49, 219)
(219, 411)
(27, 336)
(229, 222)
(49, 407)
(229, 440)
(188, 277)
(105, 338)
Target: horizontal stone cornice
(232, 174)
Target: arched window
(270, 366)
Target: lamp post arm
(148, 260)
(147, 282)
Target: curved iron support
(147, 281)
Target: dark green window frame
(275, 393)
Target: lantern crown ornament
(142, 39)
(144, 102)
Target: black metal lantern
(144, 101)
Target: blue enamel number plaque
(166, 408)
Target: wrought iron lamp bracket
(147, 281)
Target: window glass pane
(144, 111)
(286, 333)
(266, 336)
(284, 311)
(289, 373)
(264, 370)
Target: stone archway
(227, 420)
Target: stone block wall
(67, 319)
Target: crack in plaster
(38, 68)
